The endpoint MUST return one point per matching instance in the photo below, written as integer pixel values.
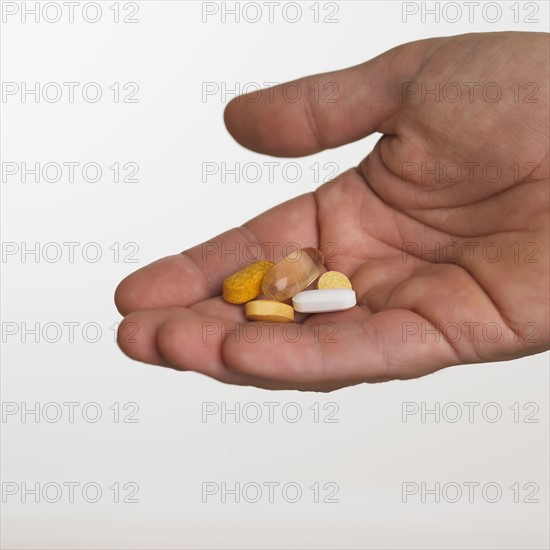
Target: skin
(394, 220)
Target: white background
(368, 452)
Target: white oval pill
(324, 300)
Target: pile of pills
(287, 280)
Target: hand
(448, 270)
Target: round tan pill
(333, 279)
(269, 311)
(246, 284)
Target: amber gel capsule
(292, 274)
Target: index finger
(198, 273)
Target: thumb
(326, 110)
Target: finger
(196, 343)
(350, 349)
(326, 110)
(337, 354)
(218, 307)
(346, 348)
(198, 273)
(137, 335)
(139, 339)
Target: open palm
(443, 228)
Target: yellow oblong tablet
(246, 284)
(269, 311)
(333, 279)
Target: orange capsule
(292, 274)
